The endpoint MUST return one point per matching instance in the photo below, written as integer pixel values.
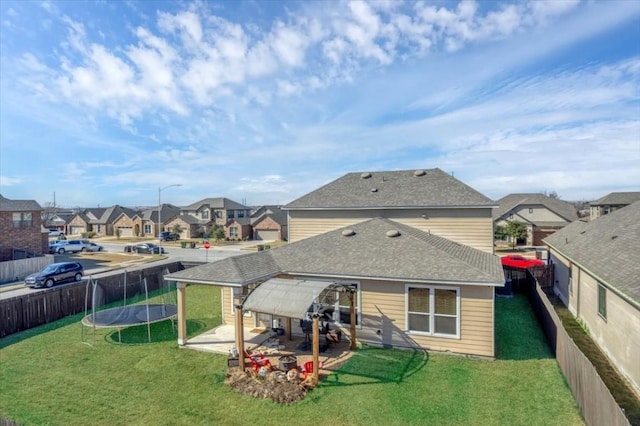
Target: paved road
(172, 252)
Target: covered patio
(294, 300)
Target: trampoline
(129, 316)
(140, 312)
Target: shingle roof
(618, 198)
(216, 203)
(274, 212)
(244, 221)
(392, 189)
(561, 208)
(413, 255)
(7, 205)
(608, 247)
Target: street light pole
(160, 189)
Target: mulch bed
(274, 386)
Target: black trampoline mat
(126, 316)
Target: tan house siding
(228, 312)
(384, 309)
(619, 334)
(472, 227)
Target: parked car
(71, 246)
(148, 248)
(520, 262)
(55, 273)
(55, 233)
(168, 236)
(91, 246)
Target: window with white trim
(433, 311)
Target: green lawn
(48, 376)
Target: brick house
(21, 228)
(190, 226)
(238, 229)
(269, 223)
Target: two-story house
(612, 202)
(21, 229)
(597, 265)
(542, 215)
(414, 248)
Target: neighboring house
(21, 229)
(542, 215)
(216, 210)
(612, 202)
(269, 223)
(597, 265)
(191, 226)
(429, 200)
(56, 218)
(100, 221)
(413, 287)
(238, 229)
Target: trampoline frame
(88, 321)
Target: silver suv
(71, 246)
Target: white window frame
(432, 314)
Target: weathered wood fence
(597, 405)
(15, 270)
(41, 307)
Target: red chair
(307, 368)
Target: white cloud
(9, 181)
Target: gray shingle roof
(392, 189)
(608, 247)
(617, 199)
(274, 212)
(216, 203)
(7, 205)
(561, 208)
(369, 253)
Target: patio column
(352, 319)
(240, 335)
(182, 312)
(316, 351)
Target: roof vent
(419, 173)
(348, 233)
(365, 175)
(374, 189)
(393, 233)
(614, 237)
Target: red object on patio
(307, 368)
(258, 361)
(520, 262)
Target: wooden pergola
(291, 299)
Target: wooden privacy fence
(41, 307)
(15, 270)
(596, 403)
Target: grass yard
(48, 376)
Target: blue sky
(104, 102)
